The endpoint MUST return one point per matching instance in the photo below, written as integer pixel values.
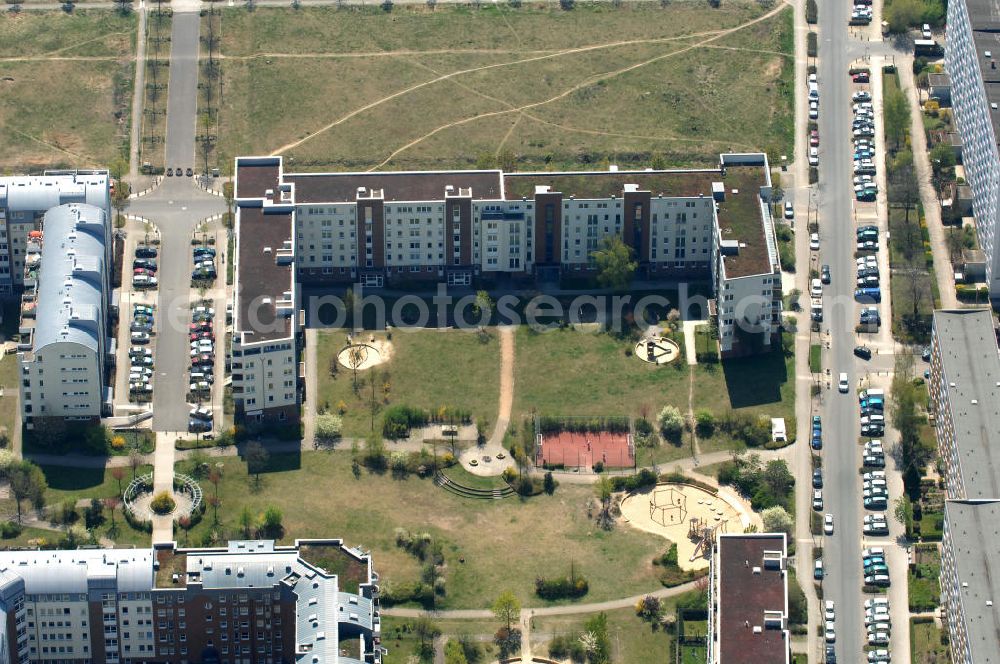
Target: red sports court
(584, 449)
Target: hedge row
(555, 425)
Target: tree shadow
(71, 478)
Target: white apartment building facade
(65, 350)
(971, 53)
(456, 227)
(251, 602)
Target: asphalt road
(842, 550)
(182, 93)
(175, 207)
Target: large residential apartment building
(24, 200)
(965, 402)
(748, 599)
(56, 254)
(251, 602)
(971, 52)
(322, 229)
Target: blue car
(817, 423)
(817, 440)
(866, 295)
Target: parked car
(201, 413)
(843, 385)
(200, 386)
(818, 569)
(814, 241)
(818, 500)
(814, 138)
(140, 337)
(825, 274)
(827, 524)
(864, 352)
(817, 480)
(145, 251)
(860, 77)
(199, 426)
(146, 263)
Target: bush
(10, 529)
(561, 588)
(704, 423)
(328, 426)
(671, 422)
(162, 503)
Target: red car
(142, 270)
(860, 77)
(200, 327)
(195, 336)
(814, 138)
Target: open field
(504, 543)
(67, 86)
(8, 402)
(633, 640)
(428, 369)
(456, 87)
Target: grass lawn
(8, 402)
(926, 644)
(693, 654)
(429, 369)
(460, 475)
(633, 640)
(815, 355)
(543, 83)
(71, 483)
(564, 372)
(65, 113)
(505, 544)
(28, 538)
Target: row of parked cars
(204, 264)
(140, 376)
(144, 267)
(878, 623)
(201, 333)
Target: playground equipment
(667, 506)
(657, 350)
(703, 534)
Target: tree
(454, 653)
(124, 6)
(426, 631)
(118, 473)
(214, 502)
(246, 521)
(615, 262)
(903, 511)
(777, 478)
(649, 608)
(111, 504)
(270, 522)
(27, 482)
(902, 14)
(896, 113)
(483, 306)
(671, 422)
(507, 609)
(905, 193)
(777, 520)
(215, 476)
(549, 483)
(597, 643)
(328, 426)
(506, 160)
(256, 457)
(134, 461)
(777, 194)
(604, 490)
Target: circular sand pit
(687, 515)
(363, 355)
(657, 350)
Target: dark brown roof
(260, 277)
(403, 186)
(252, 180)
(743, 597)
(740, 218)
(604, 184)
(739, 214)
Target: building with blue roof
(65, 350)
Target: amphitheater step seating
(454, 487)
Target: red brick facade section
(542, 242)
(95, 619)
(636, 211)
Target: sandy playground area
(687, 515)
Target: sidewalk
(943, 269)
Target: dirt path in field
(579, 86)
(62, 58)
(713, 34)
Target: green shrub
(561, 588)
(162, 503)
